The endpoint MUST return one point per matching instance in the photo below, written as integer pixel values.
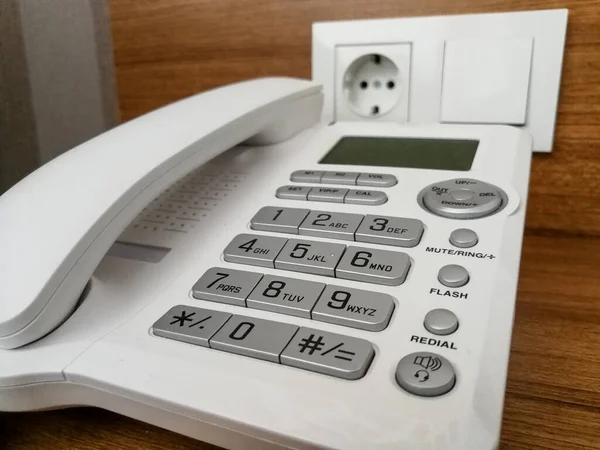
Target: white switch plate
(428, 36)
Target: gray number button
(373, 266)
(293, 192)
(425, 374)
(225, 286)
(281, 220)
(331, 225)
(253, 249)
(329, 353)
(257, 338)
(339, 177)
(354, 308)
(387, 230)
(319, 258)
(376, 180)
(371, 198)
(323, 194)
(285, 295)
(307, 176)
(189, 324)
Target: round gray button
(461, 198)
(463, 238)
(425, 374)
(453, 275)
(441, 322)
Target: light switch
(486, 81)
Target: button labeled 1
(281, 220)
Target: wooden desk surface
(168, 49)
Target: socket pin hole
(363, 84)
(375, 110)
(391, 84)
(377, 59)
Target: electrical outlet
(372, 82)
(501, 68)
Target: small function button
(285, 295)
(225, 286)
(453, 275)
(328, 353)
(192, 325)
(254, 250)
(463, 238)
(319, 258)
(324, 194)
(425, 374)
(376, 180)
(360, 197)
(293, 192)
(365, 310)
(339, 177)
(441, 322)
(373, 266)
(331, 225)
(257, 338)
(277, 219)
(462, 198)
(386, 230)
(307, 176)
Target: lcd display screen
(416, 153)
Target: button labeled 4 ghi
(253, 249)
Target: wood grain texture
(169, 49)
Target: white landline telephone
(233, 269)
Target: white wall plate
(456, 66)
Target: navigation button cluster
(339, 305)
(305, 348)
(338, 177)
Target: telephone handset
(58, 223)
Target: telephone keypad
(188, 324)
(373, 266)
(329, 353)
(257, 338)
(331, 225)
(285, 295)
(354, 308)
(225, 286)
(396, 231)
(326, 194)
(254, 250)
(319, 258)
(282, 220)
